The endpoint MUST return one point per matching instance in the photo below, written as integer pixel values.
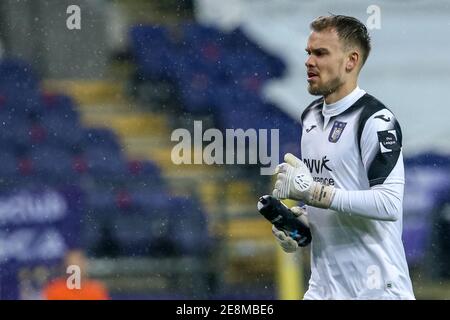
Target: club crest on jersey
(336, 131)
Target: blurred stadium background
(86, 117)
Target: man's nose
(309, 62)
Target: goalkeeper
(351, 175)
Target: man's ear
(353, 60)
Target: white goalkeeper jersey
(357, 250)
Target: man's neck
(343, 91)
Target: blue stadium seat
(17, 73)
(143, 168)
(19, 102)
(196, 91)
(100, 205)
(100, 200)
(61, 105)
(8, 167)
(14, 129)
(141, 234)
(150, 199)
(202, 61)
(53, 165)
(199, 34)
(167, 226)
(62, 131)
(105, 163)
(289, 131)
(188, 227)
(428, 181)
(143, 173)
(152, 51)
(102, 138)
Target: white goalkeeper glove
(286, 242)
(294, 181)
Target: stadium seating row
(125, 200)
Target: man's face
(326, 62)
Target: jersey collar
(336, 108)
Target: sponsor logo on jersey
(383, 117)
(336, 131)
(310, 128)
(325, 181)
(388, 141)
(317, 166)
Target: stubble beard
(326, 89)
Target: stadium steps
(89, 93)
(240, 197)
(128, 124)
(430, 290)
